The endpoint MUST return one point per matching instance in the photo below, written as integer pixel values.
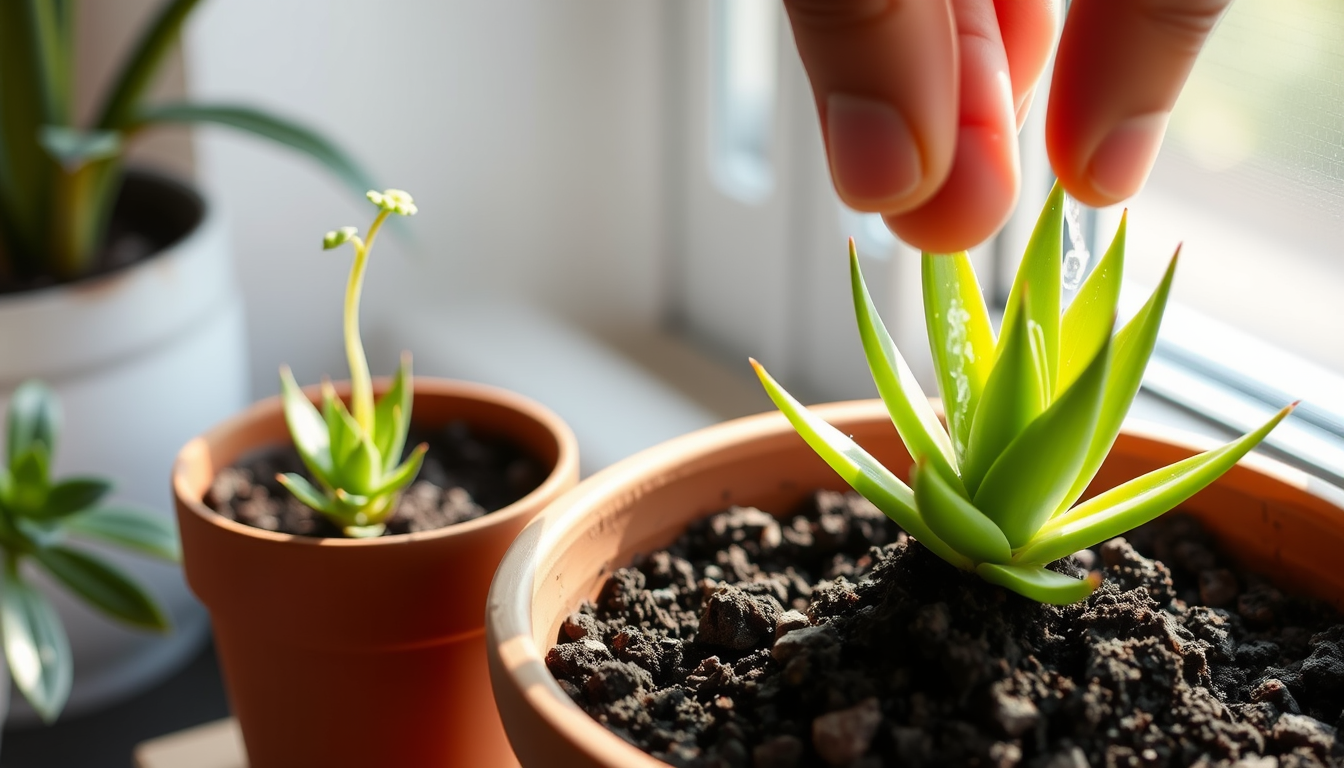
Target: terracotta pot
(1277, 520)
(343, 652)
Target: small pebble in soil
(463, 477)
(829, 638)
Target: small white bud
(338, 237)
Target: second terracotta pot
(1273, 519)
(344, 652)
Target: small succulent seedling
(37, 517)
(355, 453)
(1030, 417)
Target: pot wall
(344, 652)
(142, 359)
(1260, 509)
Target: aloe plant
(58, 180)
(1030, 417)
(355, 453)
(38, 516)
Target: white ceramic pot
(142, 359)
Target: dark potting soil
(831, 639)
(463, 477)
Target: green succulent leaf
(1139, 500)
(345, 433)
(140, 68)
(1039, 584)
(103, 586)
(1040, 269)
(364, 531)
(306, 493)
(961, 340)
(74, 495)
(36, 647)
(1131, 348)
(910, 410)
(956, 521)
(356, 502)
(392, 416)
(277, 129)
(361, 471)
(1090, 317)
(137, 530)
(306, 427)
(1013, 397)
(1024, 486)
(401, 476)
(34, 421)
(73, 148)
(29, 481)
(858, 468)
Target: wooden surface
(213, 745)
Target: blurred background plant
(37, 516)
(59, 181)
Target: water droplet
(1077, 257)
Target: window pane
(1251, 179)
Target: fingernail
(872, 152)
(1123, 159)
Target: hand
(920, 100)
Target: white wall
(528, 131)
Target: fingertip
(973, 204)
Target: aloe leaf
(401, 476)
(1026, 483)
(1014, 396)
(1131, 348)
(337, 434)
(25, 174)
(1090, 317)
(103, 586)
(36, 647)
(353, 500)
(1139, 500)
(361, 471)
(858, 468)
(306, 493)
(52, 60)
(136, 530)
(392, 416)
(960, 338)
(1037, 583)
(1040, 269)
(29, 489)
(73, 148)
(306, 427)
(74, 495)
(956, 521)
(279, 130)
(918, 425)
(138, 72)
(34, 420)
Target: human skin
(920, 100)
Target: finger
(1028, 28)
(982, 187)
(1118, 72)
(884, 77)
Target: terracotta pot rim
(671, 453)
(509, 620)
(566, 463)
